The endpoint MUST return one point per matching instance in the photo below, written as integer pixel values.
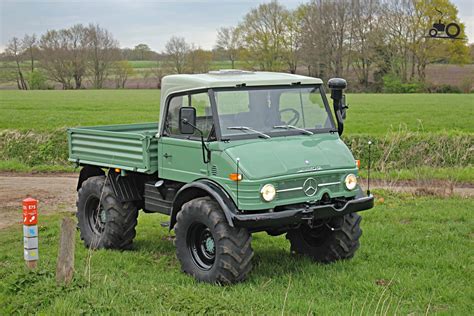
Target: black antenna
(237, 182)
(368, 171)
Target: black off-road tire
(110, 225)
(334, 239)
(199, 221)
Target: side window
(200, 101)
(172, 117)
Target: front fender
(202, 188)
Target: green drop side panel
(132, 147)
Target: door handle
(167, 156)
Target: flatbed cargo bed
(132, 147)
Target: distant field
(369, 113)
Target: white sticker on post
(30, 243)
(31, 254)
(30, 231)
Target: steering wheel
(296, 116)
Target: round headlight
(268, 192)
(351, 182)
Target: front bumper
(266, 221)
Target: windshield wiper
(305, 131)
(245, 128)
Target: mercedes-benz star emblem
(310, 186)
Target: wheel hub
(103, 218)
(201, 245)
(96, 215)
(209, 242)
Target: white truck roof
(227, 78)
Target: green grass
(138, 64)
(377, 113)
(455, 174)
(416, 256)
(17, 166)
(48, 110)
(368, 114)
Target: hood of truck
(264, 158)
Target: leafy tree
(263, 31)
(142, 51)
(122, 70)
(198, 60)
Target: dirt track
(58, 192)
(55, 193)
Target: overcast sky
(146, 21)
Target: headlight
(268, 192)
(351, 182)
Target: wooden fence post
(65, 265)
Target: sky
(145, 21)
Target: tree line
(67, 56)
(371, 38)
(374, 40)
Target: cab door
(180, 156)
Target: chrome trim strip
(291, 189)
(301, 188)
(329, 183)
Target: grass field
(416, 258)
(373, 114)
(419, 127)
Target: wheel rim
(95, 213)
(201, 245)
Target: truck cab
(234, 152)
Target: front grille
(294, 187)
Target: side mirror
(187, 120)
(337, 85)
(344, 107)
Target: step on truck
(233, 153)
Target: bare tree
(102, 53)
(55, 58)
(177, 51)
(15, 52)
(29, 45)
(367, 35)
(315, 49)
(77, 51)
(64, 55)
(229, 41)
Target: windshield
(272, 111)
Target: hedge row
(395, 150)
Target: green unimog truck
(233, 153)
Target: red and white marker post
(30, 232)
